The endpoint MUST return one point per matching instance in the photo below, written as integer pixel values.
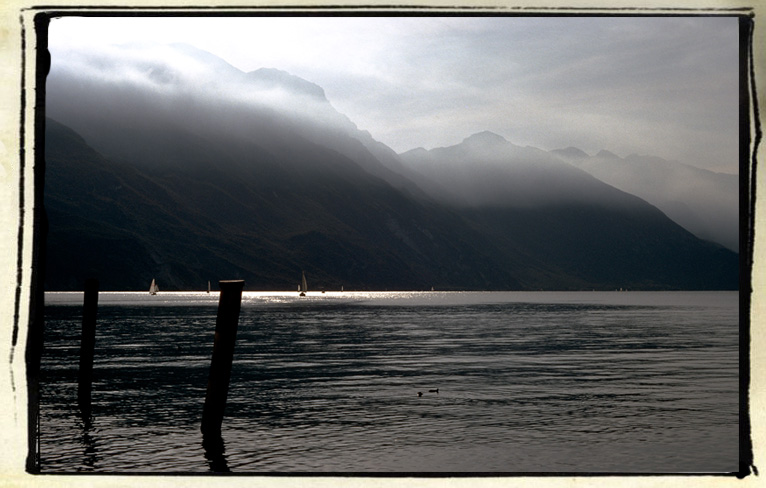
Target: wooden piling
(223, 353)
(87, 347)
(215, 453)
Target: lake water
(548, 382)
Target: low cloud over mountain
(169, 163)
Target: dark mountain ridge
(704, 202)
(187, 184)
(524, 198)
(264, 224)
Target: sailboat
(208, 287)
(153, 288)
(304, 288)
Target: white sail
(304, 286)
(208, 287)
(153, 288)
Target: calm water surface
(627, 382)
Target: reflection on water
(215, 453)
(90, 455)
(528, 382)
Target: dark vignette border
(747, 175)
(34, 347)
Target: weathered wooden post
(87, 347)
(223, 353)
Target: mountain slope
(487, 170)
(263, 224)
(703, 202)
(524, 198)
(189, 170)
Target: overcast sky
(655, 86)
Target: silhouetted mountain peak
(571, 153)
(418, 151)
(607, 154)
(485, 138)
(272, 77)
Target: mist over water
(527, 382)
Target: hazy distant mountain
(526, 198)
(703, 202)
(184, 169)
(487, 170)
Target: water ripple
(526, 382)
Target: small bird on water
(420, 393)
